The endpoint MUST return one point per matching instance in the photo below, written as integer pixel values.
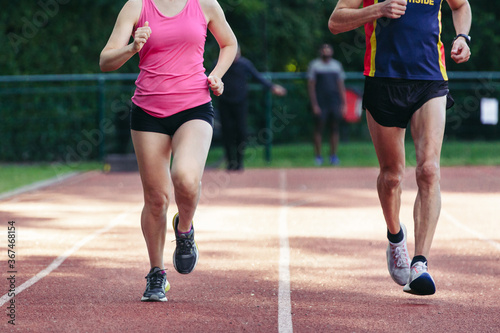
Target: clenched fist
(393, 8)
(216, 85)
(141, 36)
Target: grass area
(354, 154)
(361, 154)
(13, 176)
(300, 156)
(470, 153)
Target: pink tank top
(172, 77)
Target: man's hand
(460, 51)
(278, 90)
(393, 8)
(316, 110)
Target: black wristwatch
(467, 39)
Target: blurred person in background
(233, 108)
(328, 100)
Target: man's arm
(254, 73)
(348, 15)
(342, 93)
(462, 18)
(276, 89)
(311, 88)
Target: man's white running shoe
(420, 282)
(398, 260)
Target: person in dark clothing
(233, 108)
(328, 100)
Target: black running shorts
(144, 122)
(330, 107)
(392, 102)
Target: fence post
(269, 137)
(101, 83)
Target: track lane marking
(284, 300)
(473, 232)
(59, 260)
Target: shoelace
(184, 245)
(400, 256)
(419, 266)
(156, 280)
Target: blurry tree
(66, 36)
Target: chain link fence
(74, 118)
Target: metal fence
(78, 117)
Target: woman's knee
(157, 201)
(186, 184)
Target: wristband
(467, 39)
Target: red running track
(298, 250)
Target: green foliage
(56, 36)
(281, 35)
(67, 36)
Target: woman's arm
(118, 50)
(226, 39)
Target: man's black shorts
(392, 102)
(330, 107)
(142, 121)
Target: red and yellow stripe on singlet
(408, 47)
(440, 46)
(371, 43)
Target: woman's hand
(216, 85)
(141, 36)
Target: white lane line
(473, 232)
(284, 301)
(59, 260)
